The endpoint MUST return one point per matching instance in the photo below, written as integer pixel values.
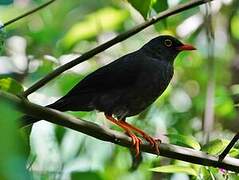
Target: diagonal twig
(110, 43)
(105, 134)
(229, 147)
(26, 14)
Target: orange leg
(135, 140)
(148, 138)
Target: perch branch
(110, 43)
(27, 13)
(105, 134)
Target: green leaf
(175, 169)
(91, 175)
(10, 85)
(184, 140)
(143, 6)
(234, 152)
(214, 147)
(159, 5)
(205, 173)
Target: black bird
(126, 86)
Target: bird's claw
(154, 142)
(158, 140)
(136, 143)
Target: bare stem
(209, 106)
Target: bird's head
(166, 48)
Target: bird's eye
(168, 43)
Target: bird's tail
(27, 120)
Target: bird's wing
(121, 73)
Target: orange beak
(186, 47)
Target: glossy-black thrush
(126, 86)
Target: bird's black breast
(152, 82)
(152, 79)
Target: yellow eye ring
(168, 43)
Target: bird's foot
(154, 142)
(136, 141)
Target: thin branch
(105, 134)
(229, 147)
(27, 13)
(209, 106)
(110, 43)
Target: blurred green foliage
(10, 85)
(105, 19)
(66, 29)
(6, 2)
(13, 151)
